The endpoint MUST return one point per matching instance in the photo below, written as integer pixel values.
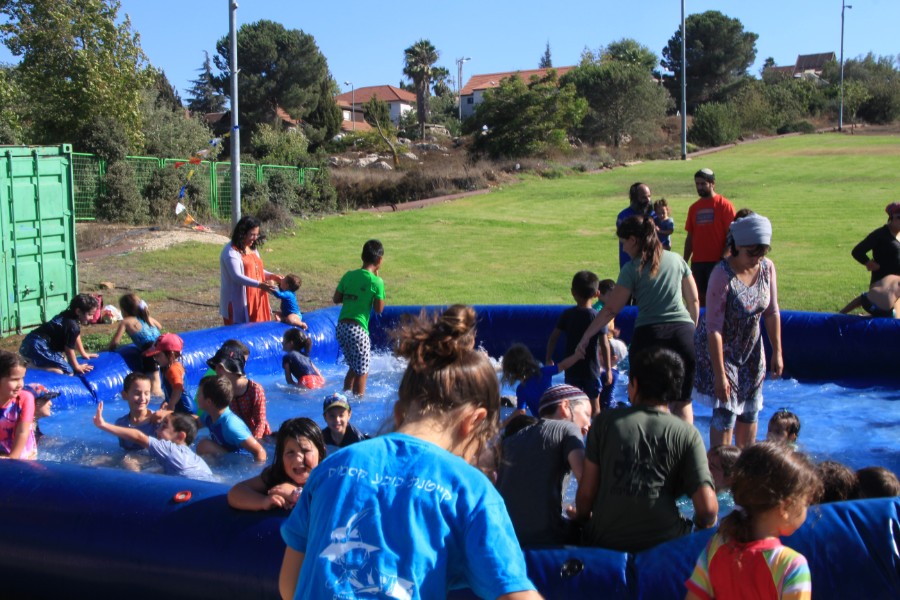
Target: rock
(366, 160)
(339, 161)
(409, 156)
(381, 166)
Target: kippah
(560, 393)
(707, 174)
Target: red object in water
(182, 496)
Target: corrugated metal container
(39, 273)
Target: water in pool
(859, 427)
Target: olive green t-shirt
(658, 297)
(647, 459)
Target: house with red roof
(472, 94)
(399, 102)
(808, 66)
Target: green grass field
(522, 244)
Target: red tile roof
(492, 80)
(385, 93)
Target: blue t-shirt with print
(530, 391)
(229, 431)
(399, 517)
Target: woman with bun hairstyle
(407, 514)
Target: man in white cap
(535, 462)
(707, 227)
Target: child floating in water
(298, 368)
(143, 331)
(784, 427)
(290, 309)
(299, 447)
(882, 299)
(773, 486)
(172, 450)
(52, 346)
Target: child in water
(16, 410)
(298, 368)
(784, 427)
(520, 365)
(299, 447)
(406, 515)
(53, 345)
(772, 485)
(166, 351)
(143, 331)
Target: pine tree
(204, 97)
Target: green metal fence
(210, 181)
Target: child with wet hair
(406, 514)
(784, 427)
(721, 460)
(773, 486)
(877, 482)
(839, 480)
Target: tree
(203, 95)
(440, 87)
(718, 53)
(279, 146)
(77, 63)
(279, 69)
(166, 94)
(170, 133)
(631, 52)
(419, 62)
(526, 119)
(12, 104)
(546, 61)
(624, 101)
(378, 115)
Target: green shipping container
(39, 274)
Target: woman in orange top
(245, 283)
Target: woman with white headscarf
(731, 365)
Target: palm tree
(419, 59)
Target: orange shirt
(708, 221)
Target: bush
(797, 127)
(121, 200)
(715, 124)
(106, 137)
(161, 193)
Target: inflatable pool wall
(108, 533)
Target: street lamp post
(684, 88)
(352, 105)
(459, 65)
(844, 7)
(235, 130)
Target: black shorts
(874, 310)
(677, 337)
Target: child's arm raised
(255, 448)
(126, 433)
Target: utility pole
(844, 7)
(235, 130)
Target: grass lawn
(522, 244)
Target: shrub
(797, 127)
(715, 124)
(121, 200)
(106, 137)
(161, 193)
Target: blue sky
(364, 41)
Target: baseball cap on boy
(333, 400)
(167, 342)
(230, 359)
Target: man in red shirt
(707, 227)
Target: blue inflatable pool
(93, 532)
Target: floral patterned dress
(734, 309)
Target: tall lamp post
(459, 64)
(684, 88)
(844, 7)
(235, 130)
(352, 105)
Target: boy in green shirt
(360, 291)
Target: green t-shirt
(360, 288)
(658, 298)
(647, 459)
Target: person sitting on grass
(172, 450)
